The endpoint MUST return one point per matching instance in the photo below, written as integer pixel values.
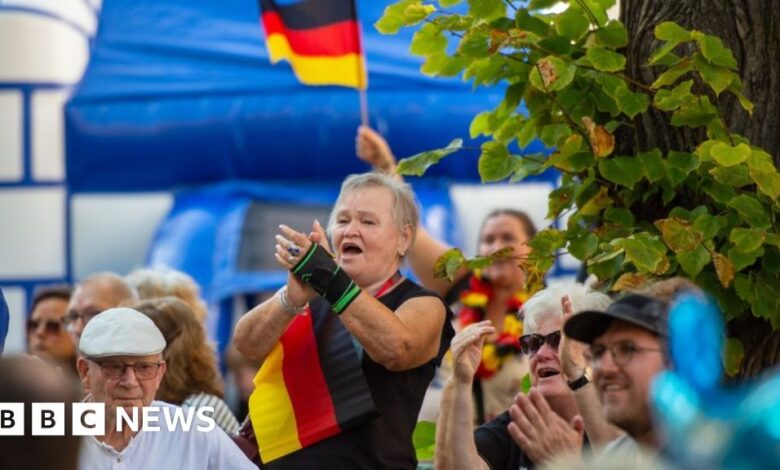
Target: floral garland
(495, 352)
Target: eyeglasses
(51, 327)
(72, 317)
(116, 370)
(622, 353)
(531, 344)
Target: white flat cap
(121, 332)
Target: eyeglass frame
(125, 366)
(596, 362)
(70, 318)
(33, 324)
(545, 340)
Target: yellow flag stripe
(271, 411)
(345, 70)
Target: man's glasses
(51, 327)
(622, 353)
(71, 318)
(116, 370)
(530, 344)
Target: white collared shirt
(193, 450)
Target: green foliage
(424, 440)
(710, 215)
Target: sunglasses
(49, 326)
(530, 344)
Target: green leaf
(736, 89)
(424, 440)
(482, 262)
(495, 163)
(733, 354)
(607, 268)
(443, 65)
(479, 124)
(572, 162)
(718, 78)
(448, 264)
(715, 52)
(760, 161)
(583, 246)
(653, 165)
(605, 60)
(429, 39)
(487, 9)
(669, 100)
(597, 203)
(525, 384)
(527, 166)
(613, 35)
(475, 43)
(552, 134)
(417, 165)
(680, 165)
(572, 23)
(619, 215)
(734, 176)
(508, 129)
(552, 74)
(751, 211)
(679, 234)
(720, 192)
(770, 262)
(694, 261)
(672, 32)
(394, 16)
(695, 113)
(727, 155)
(527, 133)
(646, 252)
(746, 240)
(626, 171)
(527, 22)
(709, 225)
(743, 260)
(631, 103)
(541, 4)
(559, 200)
(670, 76)
(768, 182)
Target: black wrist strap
(319, 271)
(578, 383)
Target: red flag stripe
(306, 386)
(332, 40)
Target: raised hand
(372, 148)
(570, 352)
(467, 350)
(540, 432)
(290, 247)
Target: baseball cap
(640, 310)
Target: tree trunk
(751, 28)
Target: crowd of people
(454, 352)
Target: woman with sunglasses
(494, 293)
(497, 444)
(46, 335)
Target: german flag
(320, 39)
(309, 388)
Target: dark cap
(640, 310)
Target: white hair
(546, 304)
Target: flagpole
(362, 73)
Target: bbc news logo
(89, 419)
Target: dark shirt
(498, 450)
(386, 441)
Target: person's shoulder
(408, 289)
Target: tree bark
(751, 28)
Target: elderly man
(627, 349)
(96, 293)
(121, 366)
(506, 442)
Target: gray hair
(546, 304)
(163, 281)
(405, 209)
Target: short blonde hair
(547, 303)
(164, 282)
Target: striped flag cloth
(320, 39)
(310, 387)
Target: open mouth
(546, 372)
(350, 249)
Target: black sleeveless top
(384, 441)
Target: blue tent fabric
(181, 92)
(4, 320)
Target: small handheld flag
(320, 39)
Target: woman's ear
(405, 242)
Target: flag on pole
(310, 387)
(320, 39)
